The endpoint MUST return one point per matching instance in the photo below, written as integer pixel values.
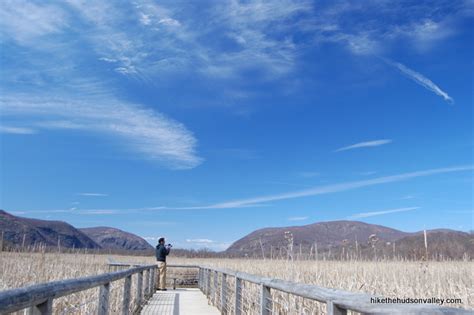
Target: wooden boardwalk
(179, 302)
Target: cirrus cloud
(153, 135)
(366, 144)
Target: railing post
(150, 285)
(104, 299)
(126, 295)
(238, 294)
(146, 284)
(214, 295)
(152, 281)
(265, 300)
(139, 288)
(204, 281)
(45, 308)
(199, 279)
(333, 309)
(208, 283)
(223, 297)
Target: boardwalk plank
(179, 302)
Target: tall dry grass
(453, 279)
(402, 279)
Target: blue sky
(202, 121)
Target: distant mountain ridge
(25, 232)
(324, 234)
(111, 238)
(332, 240)
(344, 238)
(19, 231)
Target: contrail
(374, 143)
(421, 80)
(375, 213)
(326, 189)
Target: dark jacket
(161, 252)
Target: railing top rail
(17, 299)
(168, 265)
(183, 266)
(359, 302)
(124, 264)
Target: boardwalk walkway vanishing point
(214, 291)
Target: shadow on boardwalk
(179, 302)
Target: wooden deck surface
(179, 302)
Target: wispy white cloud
(366, 144)
(359, 44)
(260, 201)
(17, 130)
(297, 218)
(104, 211)
(380, 29)
(181, 43)
(52, 93)
(60, 124)
(254, 26)
(152, 134)
(122, 47)
(376, 213)
(421, 80)
(169, 22)
(98, 212)
(25, 20)
(144, 39)
(327, 189)
(425, 33)
(92, 194)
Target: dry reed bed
(450, 279)
(23, 269)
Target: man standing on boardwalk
(161, 252)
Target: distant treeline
(362, 252)
(434, 246)
(175, 252)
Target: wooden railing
(39, 298)
(230, 291)
(242, 293)
(114, 266)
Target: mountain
(346, 239)
(323, 234)
(25, 232)
(442, 243)
(110, 238)
(29, 233)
